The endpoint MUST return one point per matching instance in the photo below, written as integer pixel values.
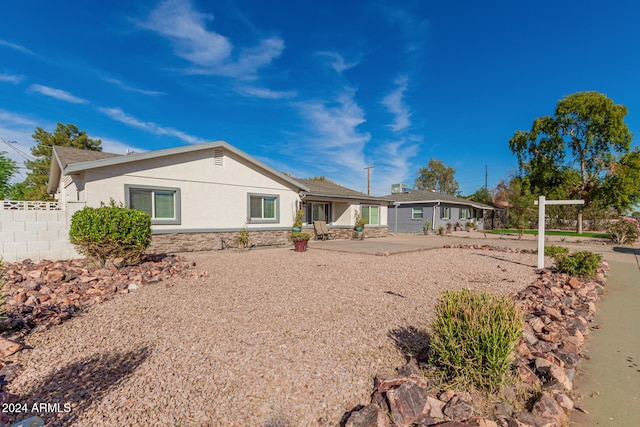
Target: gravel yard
(267, 338)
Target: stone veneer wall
(212, 241)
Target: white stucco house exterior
(199, 196)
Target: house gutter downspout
(433, 215)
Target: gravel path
(269, 338)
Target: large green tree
(8, 168)
(437, 177)
(587, 135)
(35, 185)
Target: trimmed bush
(473, 337)
(556, 251)
(582, 264)
(110, 232)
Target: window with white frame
(161, 203)
(464, 213)
(445, 212)
(263, 208)
(318, 211)
(371, 214)
(416, 213)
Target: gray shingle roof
(417, 196)
(69, 155)
(331, 189)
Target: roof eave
(475, 205)
(82, 166)
(336, 196)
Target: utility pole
(368, 168)
(486, 177)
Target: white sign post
(541, 202)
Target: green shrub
(624, 231)
(473, 337)
(556, 251)
(582, 263)
(110, 232)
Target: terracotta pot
(300, 245)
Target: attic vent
(218, 155)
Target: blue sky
(314, 88)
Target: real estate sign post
(541, 202)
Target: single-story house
(337, 205)
(412, 208)
(199, 196)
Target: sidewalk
(609, 384)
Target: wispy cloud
(395, 105)
(334, 129)
(207, 51)
(11, 78)
(258, 92)
(125, 86)
(57, 94)
(17, 47)
(118, 115)
(10, 118)
(338, 63)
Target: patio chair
(322, 231)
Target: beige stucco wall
(212, 196)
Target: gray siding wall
(406, 224)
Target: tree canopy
(482, 195)
(35, 185)
(576, 152)
(8, 168)
(437, 177)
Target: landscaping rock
(45, 294)
(8, 347)
(406, 404)
(458, 409)
(369, 416)
(546, 407)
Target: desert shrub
(110, 232)
(624, 231)
(584, 263)
(555, 251)
(473, 337)
(242, 238)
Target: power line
(11, 144)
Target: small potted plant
(297, 222)
(441, 230)
(426, 228)
(471, 226)
(300, 240)
(458, 226)
(360, 222)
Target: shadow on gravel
(506, 260)
(411, 342)
(80, 384)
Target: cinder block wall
(36, 235)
